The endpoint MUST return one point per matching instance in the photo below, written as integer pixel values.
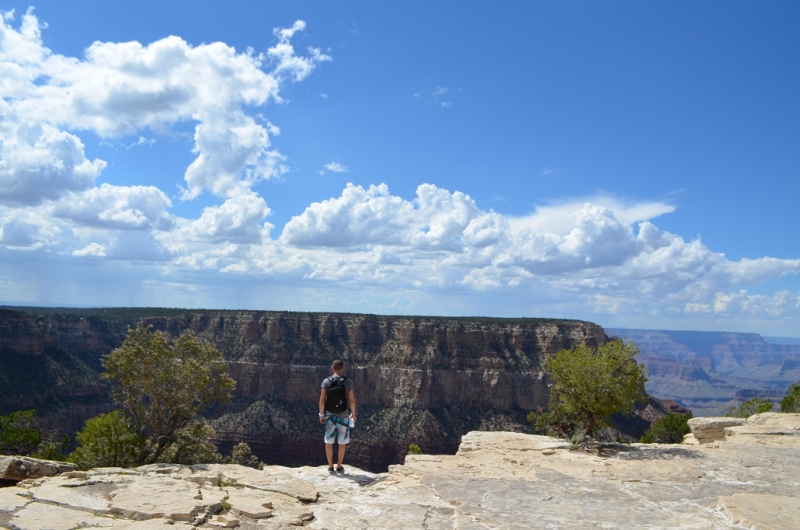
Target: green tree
(17, 436)
(50, 449)
(163, 387)
(193, 445)
(589, 385)
(668, 430)
(414, 449)
(242, 455)
(791, 401)
(752, 406)
(106, 441)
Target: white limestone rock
(753, 510)
(17, 468)
(712, 429)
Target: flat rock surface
(496, 480)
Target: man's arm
(322, 395)
(351, 397)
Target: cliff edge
(496, 480)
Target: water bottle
(352, 421)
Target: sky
(634, 164)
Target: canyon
(422, 380)
(709, 371)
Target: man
(337, 404)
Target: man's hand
(322, 419)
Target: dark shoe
(339, 469)
(330, 470)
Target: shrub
(413, 449)
(106, 441)
(50, 449)
(193, 445)
(17, 437)
(242, 455)
(589, 385)
(162, 387)
(791, 401)
(752, 406)
(668, 430)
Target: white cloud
(238, 219)
(288, 63)
(92, 249)
(123, 88)
(436, 252)
(435, 219)
(118, 207)
(558, 218)
(336, 167)
(41, 162)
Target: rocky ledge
(496, 480)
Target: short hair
(337, 365)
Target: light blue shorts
(337, 429)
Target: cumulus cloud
(118, 207)
(600, 254)
(435, 219)
(41, 162)
(238, 219)
(121, 89)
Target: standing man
(335, 399)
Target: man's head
(337, 366)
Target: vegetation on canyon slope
(161, 389)
(752, 406)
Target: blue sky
(633, 164)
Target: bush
(162, 387)
(193, 445)
(668, 430)
(413, 449)
(752, 406)
(106, 441)
(50, 449)
(791, 401)
(242, 455)
(17, 437)
(589, 385)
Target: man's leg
(329, 454)
(342, 449)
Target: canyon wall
(423, 380)
(711, 371)
(418, 380)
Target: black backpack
(336, 398)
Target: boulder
(707, 430)
(16, 468)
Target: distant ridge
(711, 371)
(782, 340)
